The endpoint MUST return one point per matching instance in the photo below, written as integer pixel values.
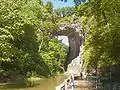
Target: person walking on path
(81, 75)
(72, 82)
(66, 84)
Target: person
(81, 75)
(72, 81)
(66, 84)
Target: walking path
(82, 85)
(78, 85)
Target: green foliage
(26, 43)
(54, 56)
(100, 21)
(65, 11)
(49, 7)
(65, 14)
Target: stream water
(43, 84)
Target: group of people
(70, 82)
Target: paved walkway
(82, 85)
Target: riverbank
(38, 84)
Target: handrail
(63, 86)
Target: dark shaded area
(74, 48)
(111, 72)
(100, 83)
(25, 58)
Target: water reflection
(50, 84)
(43, 84)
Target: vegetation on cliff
(28, 47)
(100, 19)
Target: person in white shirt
(72, 81)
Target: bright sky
(59, 4)
(64, 39)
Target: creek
(43, 84)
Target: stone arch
(75, 38)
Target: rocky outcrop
(75, 37)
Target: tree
(25, 33)
(102, 29)
(65, 11)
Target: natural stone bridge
(76, 38)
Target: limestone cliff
(76, 39)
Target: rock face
(76, 39)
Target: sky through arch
(60, 4)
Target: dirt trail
(82, 85)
